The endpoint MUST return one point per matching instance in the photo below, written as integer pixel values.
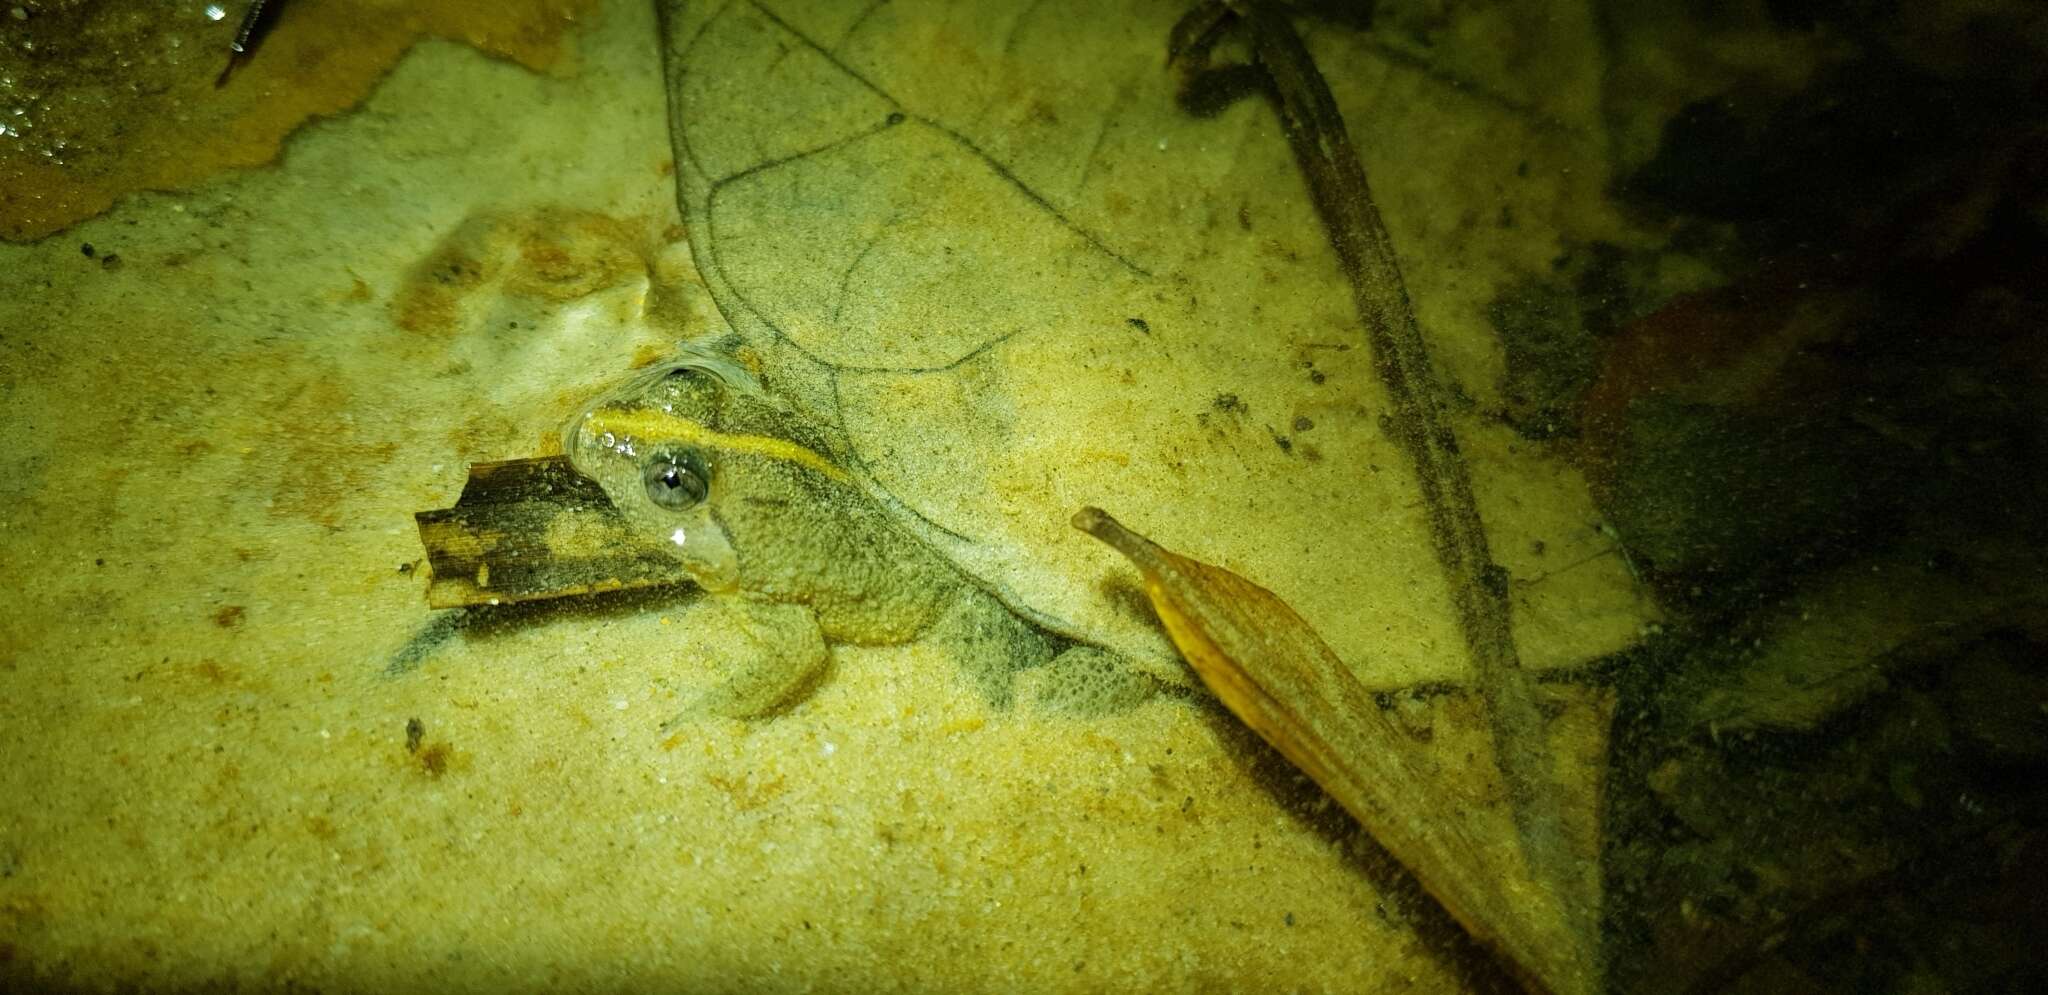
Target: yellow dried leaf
(1440, 804)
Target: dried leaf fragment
(1443, 810)
(1216, 617)
(532, 529)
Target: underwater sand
(213, 453)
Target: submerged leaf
(1427, 786)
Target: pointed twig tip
(1099, 524)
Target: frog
(751, 498)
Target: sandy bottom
(213, 451)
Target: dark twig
(246, 37)
(1418, 421)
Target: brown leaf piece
(1427, 783)
(530, 529)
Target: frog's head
(707, 466)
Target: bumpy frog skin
(741, 491)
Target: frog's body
(739, 489)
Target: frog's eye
(677, 480)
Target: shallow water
(1736, 345)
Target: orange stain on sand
(127, 100)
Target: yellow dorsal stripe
(660, 426)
